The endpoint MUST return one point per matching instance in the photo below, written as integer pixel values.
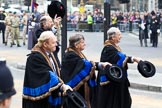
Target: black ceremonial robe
(77, 72)
(111, 94)
(41, 83)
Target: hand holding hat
(136, 59)
(57, 21)
(104, 64)
(65, 87)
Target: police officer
(8, 27)
(15, 22)
(154, 29)
(2, 25)
(7, 89)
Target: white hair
(111, 32)
(45, 17)
(46, 35)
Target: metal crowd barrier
(83, 26)
(71, 26)
(99, 27)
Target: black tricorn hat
(76, 99)
(114, 73)
(56, 7)
(146, 68)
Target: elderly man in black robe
(112, 94)
(78, 72)
(42, 83)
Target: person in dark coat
(42, 83)
(111, 94)
(154, 29)
(46, 24)
(143, 29)
(2, 25)
(78, 72)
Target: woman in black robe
(111, 94)
(77, 71)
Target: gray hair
(73, 40)
(44, 19)
(112, 31)
(46, 35)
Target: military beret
(35, 4)
(14, 12)
(56, 7)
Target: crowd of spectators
(117, 17)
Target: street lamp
(64, 32)
(106, 17)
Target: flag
(33, 5)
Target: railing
(99, 27)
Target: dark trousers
(90, 27)
(154, 39)
(130, 26)
(2, 28)
(142, 37)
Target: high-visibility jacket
(89, 19)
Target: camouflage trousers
(8, 33)
(24, 33)
(16, 34)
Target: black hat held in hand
(6, 83)
(146, 68)
(114, 73)
(56, 7)
(76, 99)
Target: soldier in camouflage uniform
(8, 27)
(24, 22)
(15, 22)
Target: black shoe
(18, 45)
(23, 43)
(5, 43)
(11, 45)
